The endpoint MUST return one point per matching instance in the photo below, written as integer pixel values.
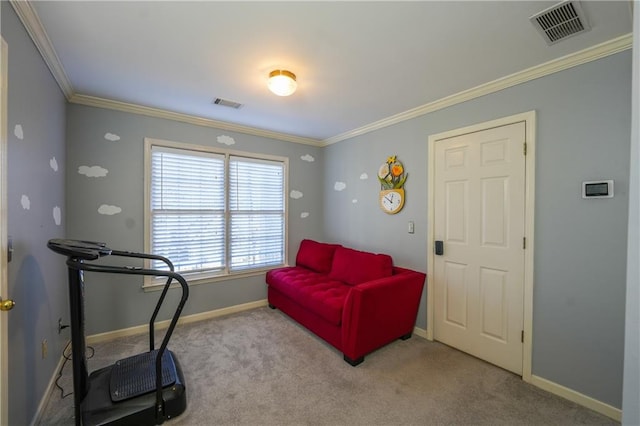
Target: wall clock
(392, 200)
(392, 177)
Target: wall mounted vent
(561, 21)
(226, 103)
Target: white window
(214, 213)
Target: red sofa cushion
(316, 292)
(355, 267)
(316, 256)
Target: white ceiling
(357, 62)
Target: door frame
(4, 339)
(529, 118)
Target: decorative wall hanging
(392, 177)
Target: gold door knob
(7, 305)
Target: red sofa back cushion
(354, 267)
(316, 256)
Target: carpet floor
(259, 367)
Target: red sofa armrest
(380, 311)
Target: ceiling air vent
(561, 21)
(226, 103)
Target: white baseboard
(47, 393)
(547, 385)
(577, 397)
(141, 329)
(562, 391)
(420, 332)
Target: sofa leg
(354, 362)
(406, 336)
(272, 306)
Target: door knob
(6, 305)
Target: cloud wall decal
(308, 158)
(295, 194)
(93, 171)
(109, 210)
(364, 176)
(26, 202)
(226, 140)
(54, 164)
(111, 137)
(57, 216)
(304, 215)
(339, 186)
(17, 130)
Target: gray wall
(631, 390)
(583, 122)
(579, 296)
(37, 276)
(118, 302)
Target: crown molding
(598, 51)
(34, 27)
(30, 20)
(32, 24)
(187, 118)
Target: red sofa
(356, 301)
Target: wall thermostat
(597, 189)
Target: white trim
(577, 397)
(187, 118)
(205, 277)
(141, 329)
(529, 254)
(33, 25)
(586, 55)
(420, 332)
(530, 123)
(4, 277)
(47, 393)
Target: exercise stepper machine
(144, 389)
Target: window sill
(210, 280)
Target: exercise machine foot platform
(144, 389)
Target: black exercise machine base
(142, 390)
(98, 408)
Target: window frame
(152, 283)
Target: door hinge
(524, 243)
(522, 336)
(525, 148)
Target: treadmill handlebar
(92, 250)
(79, 251)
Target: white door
(479, 215)
(4, 414)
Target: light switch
(410, 227)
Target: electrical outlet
(45, 348)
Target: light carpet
(259, 367)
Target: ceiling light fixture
(282, 82)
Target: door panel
(495, 219)
(456, 212)
(456, 294)
(493, 303)
(479, 207)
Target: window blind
(187, 209)
(213, 214)
(256, 212)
